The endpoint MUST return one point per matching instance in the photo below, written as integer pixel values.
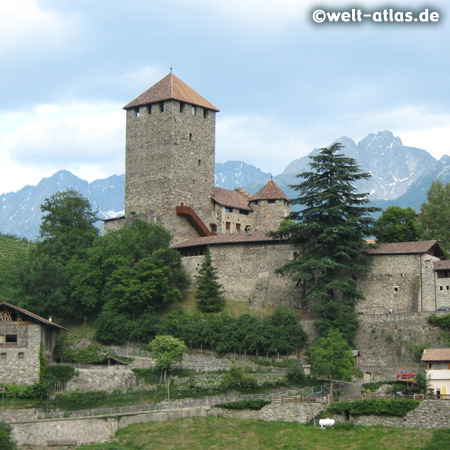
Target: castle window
(4, 356)
(205, 113)
(441, 288)
(181, 106)
(161, 107)
(213, 227)
(256, 202)
(199, 163)
(230, 210)
(443, 274)
(193, 110)
(190, 136)
(396, 290)
(272, 201)
(245, 213)
(149, 109)
(238, 227)
(21, 355)
(227, 226)
(137, 112)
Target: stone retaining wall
(429, 414)
(91, 430)
(285, 412)
(102, 379)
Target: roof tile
(270, 191)
(231, 199)
(170, 88)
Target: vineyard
(11, 247)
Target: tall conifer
(209, 292)
(331, 226)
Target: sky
(283, 83)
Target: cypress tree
(209, 292)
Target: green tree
(43, 279)
(331, 228)
(396, 225)
(6, 440)
(68, 225)
(168, 351)
(209, 292)
(332, 357)
(435, 215)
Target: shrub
(294, 371)
(374, 407)
(254, 404)
(6, 440)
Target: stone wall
(20, 364)
(387, 340)
(285, 412)
(102, 379)
(247, 273)
(429, 414)
(92, 429)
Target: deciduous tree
(168, 351)
(332, 357)
(435, 215)
(396, 224)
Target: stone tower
(170, 157)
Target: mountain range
(401, 175)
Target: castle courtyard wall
(247, 273)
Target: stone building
(170, 170)
(170, 162)
(21, 336)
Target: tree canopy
(331, 225)
(332, 357)
(396, 224)
(168, 351)
(435, 215)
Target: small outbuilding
(437, 362)
(21, 335)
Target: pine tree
(209, 292)
(331, 227)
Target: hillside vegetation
(11, 247)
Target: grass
(234, 308)
(232, 434)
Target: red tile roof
(234, 238)
(231, 199)
(171, 88)
(405, 248)
(270, 191)
(436, 354)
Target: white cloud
(88, 140)
(259, 141)
(24, 23)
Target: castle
(169, 179)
